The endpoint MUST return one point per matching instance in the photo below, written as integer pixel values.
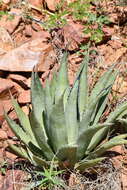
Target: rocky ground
(25, 43)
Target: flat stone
(51, 4)
(5, 105)
(24, 97)
(24, 58)
(10, 25)
(25, 110)
(3, 135)
(28, 31)
(6, 1)
(19, 79)
(6, 87)
(36, 3)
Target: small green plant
(50, 178)
(3, 167)
(56, 20)
(2, 13)
(81, 11)
(9, 16)
(96, 33)
(64, 121)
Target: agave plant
(64, 121)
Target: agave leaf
(40, 135)
(48, 98)
(37, 100)
(48, 107)
(67, 156)
(86, 120)
(53, 86)
(35, 150)
(118, 140)
(38, 105)
(23, 136)
(19, 151)
(85, 138)
(84, 164)
(57, 126)
(36, 116)
(104, 81)
(97, 114)
(40, 162)
(123, 114)
(118, 111)
(66, 96)
(85, 61)
(124, 123)
(71, 116)
(103, 132)
(24, 120)
(83, 88)
(37, 94)
(62, 79)
(103, 101)
(96, 138)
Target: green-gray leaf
(62, 79)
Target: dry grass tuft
(101, 177)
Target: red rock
(115, 44)
(36, 3)
(6, 42)
(25, 109)
(14, 179)
(10, 156)
(2, 74)
(28, 82)
(10, 25)
(14, 1)
(10, 141)
(6, 1)
(3, 135)
(113, 17)
(108, 31)
(24, 58)
(35, 26)
(117, 159)
(124, 179)
(24, 97)
(1, 120)
(8, 130)
(28, 31)
(1, 179)
(70, 36)
(6, 87)
(5, 105)
(52, 4)
(19, 79)
(41, 34)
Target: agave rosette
(64, 121)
